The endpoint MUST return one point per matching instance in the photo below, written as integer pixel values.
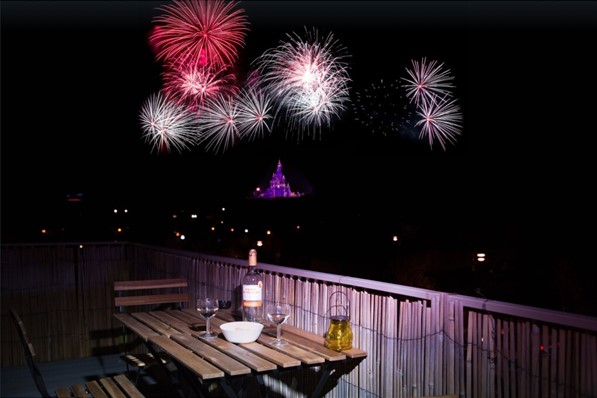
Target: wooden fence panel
(419, 341)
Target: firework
(254, 113)
(427, 80)
(218, 129)
(383, 108)
(308, 78)
(167, 125)
(193, 84)
(441, 120)
(200, 32)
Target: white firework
(427, 80)
(167, 125)
(441, 121)
(218, 123)
(254, 113)
(308, 78)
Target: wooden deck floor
(17, 382)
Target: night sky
(76, 73)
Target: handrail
(434, 342)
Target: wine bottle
(252, 284)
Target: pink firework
(426, 81)
(201, 32)
(193, 84)
(167, 125)
(441, 121)
(309, 78)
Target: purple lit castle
(278, 187)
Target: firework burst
(427, 80)
(167, 125)
(383, 108)
(193, 84)
(218, 124)
(308, 78)
(200, 32)
(254, 113)
(441, 121)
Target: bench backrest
(151, 292)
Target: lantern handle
(342, 302)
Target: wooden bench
(108, 387)
(150, 292)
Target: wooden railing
(420, 342)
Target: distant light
(213, 228)
(126, 210)
(231, 229)
(119, 230)
(221, 221)
(258, 189)
(193, 215)
(395, 238)
(43, 231)
(115, 211)
(182, 237)
(80, 246)
(268, 232)
(74, 198)
(259, 243)
(223, 209)
(246, 230)
(298, 227)
(481, 259)
(480, 254)
(177, 233)
(174, 216)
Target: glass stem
(279, 332)
(207, 327)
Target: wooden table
(204, 361)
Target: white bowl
(241, 332)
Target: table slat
(155, 324)
(198, 365)
(351, 353)
(181, 326)
(189, 316)
(307, 344)
(306, 357)
(253, 361)
(142, 330)
(216, 357)
(274, 356)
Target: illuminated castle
(278, 187)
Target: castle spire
(278, 186)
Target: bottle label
(252, 295)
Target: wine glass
(278, 313)
(207, 308)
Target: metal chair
(30, 355)
(106, 387)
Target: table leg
(325, 371)
(233, 392)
